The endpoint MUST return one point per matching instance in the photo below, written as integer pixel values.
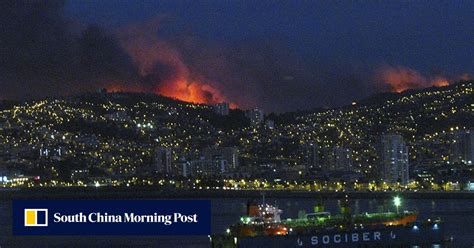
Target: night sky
(276, 55)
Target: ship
(263, 226)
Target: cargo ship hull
(397, 236)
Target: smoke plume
(43, 53)
(162, 66)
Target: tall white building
(393, 159)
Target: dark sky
(420, 34)
(277, 55)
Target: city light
(120, 137)
(397, 202)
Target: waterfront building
(311, 156)
(393, 159)
(462, 149)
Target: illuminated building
(462, 150)
(393, 159)
(312, 157)
(54, 153)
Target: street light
(397, 202)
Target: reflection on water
(458, 216)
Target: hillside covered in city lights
(128, 139)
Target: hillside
(117, 133)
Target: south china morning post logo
(101, 217)
(112, 217)
(35, 217)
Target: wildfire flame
(398, 79)
(150, 54)
(185, 90)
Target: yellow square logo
(36, 217)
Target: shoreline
(152, 193)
